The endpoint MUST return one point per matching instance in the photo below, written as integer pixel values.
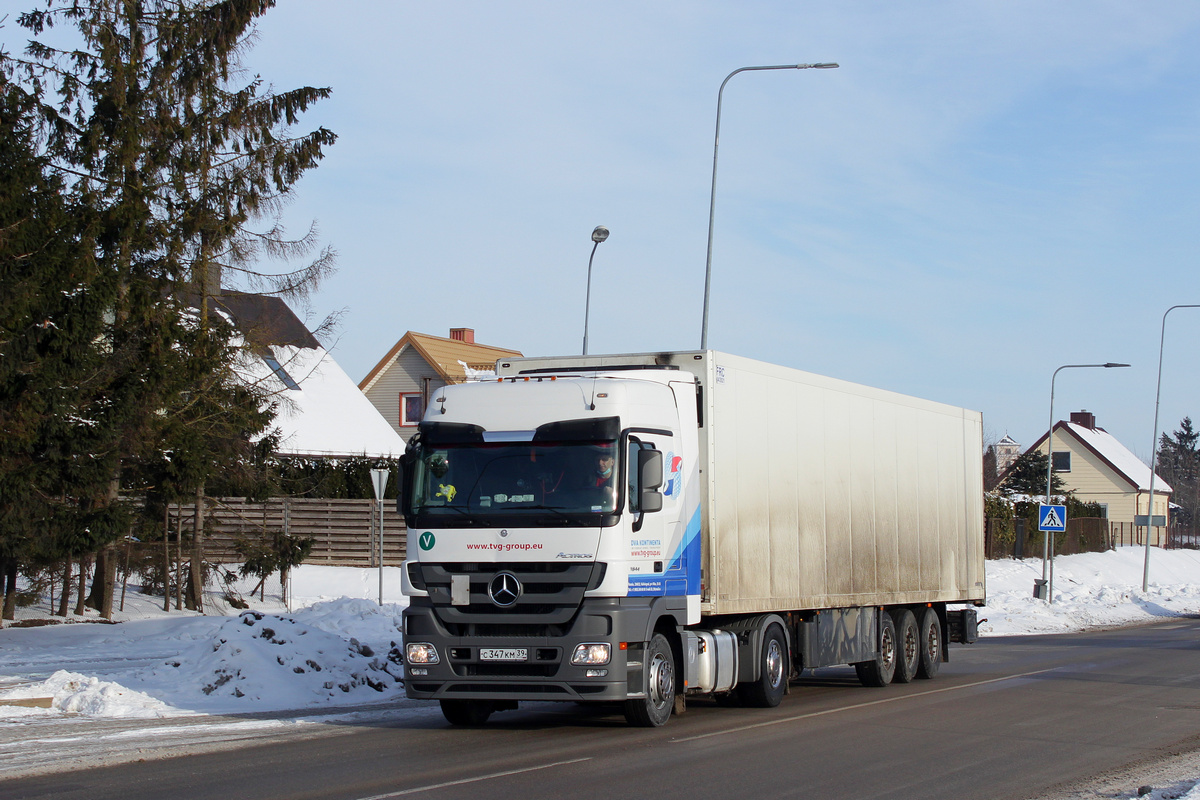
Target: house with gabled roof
(1099, 469)
(321, 413)
(400, 386)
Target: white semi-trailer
(642, 528)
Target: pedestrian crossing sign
(1052, 518)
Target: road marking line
(504, 774)
(859, 705)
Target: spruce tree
(1178, 463)
(173, 164)
(1027, 476)
(53, 300)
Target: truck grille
(550, 596)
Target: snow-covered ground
(212, 679)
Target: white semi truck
(644, 528)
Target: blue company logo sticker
(426, 541)
(673, 476)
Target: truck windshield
(510, 482)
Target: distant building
(1099, 469)
(1007, 451)
(401, 385)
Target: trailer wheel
(908, 645)
(767, 691)
(879, 670)
(930, 629)
(467, 713)
(658, 672)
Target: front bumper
(546, 673)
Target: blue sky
(981, 193)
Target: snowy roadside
(159, 684)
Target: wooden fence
(345, 532)
(1005, 538)
(1171, 537)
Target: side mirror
(650, 477)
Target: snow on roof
(326, 415)
(1117, 455)
(1007, 440)
(321, 411)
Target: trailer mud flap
(963, 626)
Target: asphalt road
(1006, 718)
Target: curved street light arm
(712, 198)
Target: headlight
(420, 653)
(591, 654)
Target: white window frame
(403, 418)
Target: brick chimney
(1085, 418)
(463, 335)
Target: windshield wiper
(460, 509)
(570, 515)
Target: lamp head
(1110, 365)
(599, 234)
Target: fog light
(420, 653)
(594, 653)
(418, 671)
(596, 673)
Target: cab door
(653, 504)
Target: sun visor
(595, 429)
(442, 433)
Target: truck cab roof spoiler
(609, 368)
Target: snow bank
(332, 653)
(82, 694)
(266, 662)
(1091, 590)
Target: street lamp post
(1154, 448)
(599, 234)
(712, 199)
(1047, 551)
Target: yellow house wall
(1093, 481)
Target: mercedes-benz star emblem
(504, 589)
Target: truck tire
(658, 679)
(879, 670)
(908, 645)
(767, 691)
(467, 713)
(930, 629)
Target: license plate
(503, 654)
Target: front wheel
(658, 680)
(767, 691)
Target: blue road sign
(1052, 518)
